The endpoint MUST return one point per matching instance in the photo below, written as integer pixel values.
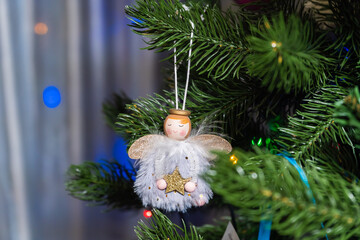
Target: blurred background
(59, 61)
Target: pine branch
(347, 111)
(228, 45)
(228, 106)
(219, 46)
(146, 116)
(113, 107)
(343, 18)
(286, 54)
(267, 186)
(347, 114)
(161, 227)
(105, 183)
(312, 127)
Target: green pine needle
(224, 106)
(342, 17)
(161, 228)
(313, 126)
(286, 55)
(105, 183)
(266, 186)
(246, 229)
(347, 111)
(242, 63)
(113, 107)
(218, 44)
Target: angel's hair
(183, 119)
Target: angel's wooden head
(177, 124)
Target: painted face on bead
(177, 127)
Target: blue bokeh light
(135, 20)
(120, 154)
(51, 97)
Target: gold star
(175, 182)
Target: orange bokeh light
(41, 28)
(234, 159)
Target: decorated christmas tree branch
(161, 227)
(219, 41)
(229, 45)
(267, 186)
(226, 105)
(105, 183)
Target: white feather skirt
(162, 158)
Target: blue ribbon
(265, 225)
(265, 230)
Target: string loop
(187, 74)
(176, 89)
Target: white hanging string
(189, 64)
(176, 89)
(188, 71)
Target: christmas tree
(279, 78)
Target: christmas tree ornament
(170, 166)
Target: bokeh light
(234, 159)
(147, 213)
(51, 97)
(41, 28)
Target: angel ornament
(170, 166)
